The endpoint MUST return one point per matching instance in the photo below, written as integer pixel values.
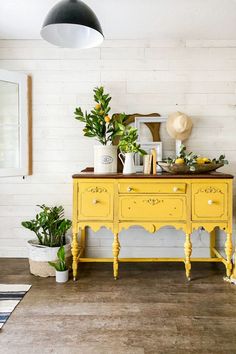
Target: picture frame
(146, 144)
(157, 145)
(139, 120)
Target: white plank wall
(197, 77)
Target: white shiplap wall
(196, 77)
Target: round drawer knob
(210, 202)
(129, 189)
(175, 189)
(95, 201)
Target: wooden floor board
(151, 309)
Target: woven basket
(40, 255)
(178, 169)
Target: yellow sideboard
(186, 202)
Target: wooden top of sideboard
(88, 173)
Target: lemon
(107, 119)
(179, 161)
(206, 160)
(200, 160)
(98, 106)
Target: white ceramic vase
(105, 159)
(62, 277)
(127, 162)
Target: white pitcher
(128, 162)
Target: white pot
(62, 277)
(128, 162)
(105, 159)
(39, 256)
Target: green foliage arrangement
(98, 123)
(128, 140)
(192, 160)
(60, 265)
(49, 225)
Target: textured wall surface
(196, 77)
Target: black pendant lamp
(72, 24)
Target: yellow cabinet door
(152, 207)
(209, 201)
(95, 201)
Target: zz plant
(49, 226)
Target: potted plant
(62, 272)
(128, 146)
(104, 128)
(50, 228)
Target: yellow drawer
(209, 201)
(147, 187)
(152, 207)
(95, 201)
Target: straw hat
(179, 126)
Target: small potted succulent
(50, 228)
(62, 272)
(128, 146)
(104, 128)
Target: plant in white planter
(104, 128)
(128, 146)
(62, 272)
(50, 227)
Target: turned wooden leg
(75, 251)
(188, 252)
(228, 252)
(82, 241)
(233, 276)
(212, 242)
(116, 251)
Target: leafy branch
(98, 123)
(128, 140)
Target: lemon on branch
(179, 161)
(200, 160)
(107, 119)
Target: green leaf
(55, 265)
(61, 254)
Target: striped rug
(10, 296)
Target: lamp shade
(72, 24)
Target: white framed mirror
(15, 124)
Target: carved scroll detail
(210, 189)
(153, 201)
(97, 190)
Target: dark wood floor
(150, 309)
